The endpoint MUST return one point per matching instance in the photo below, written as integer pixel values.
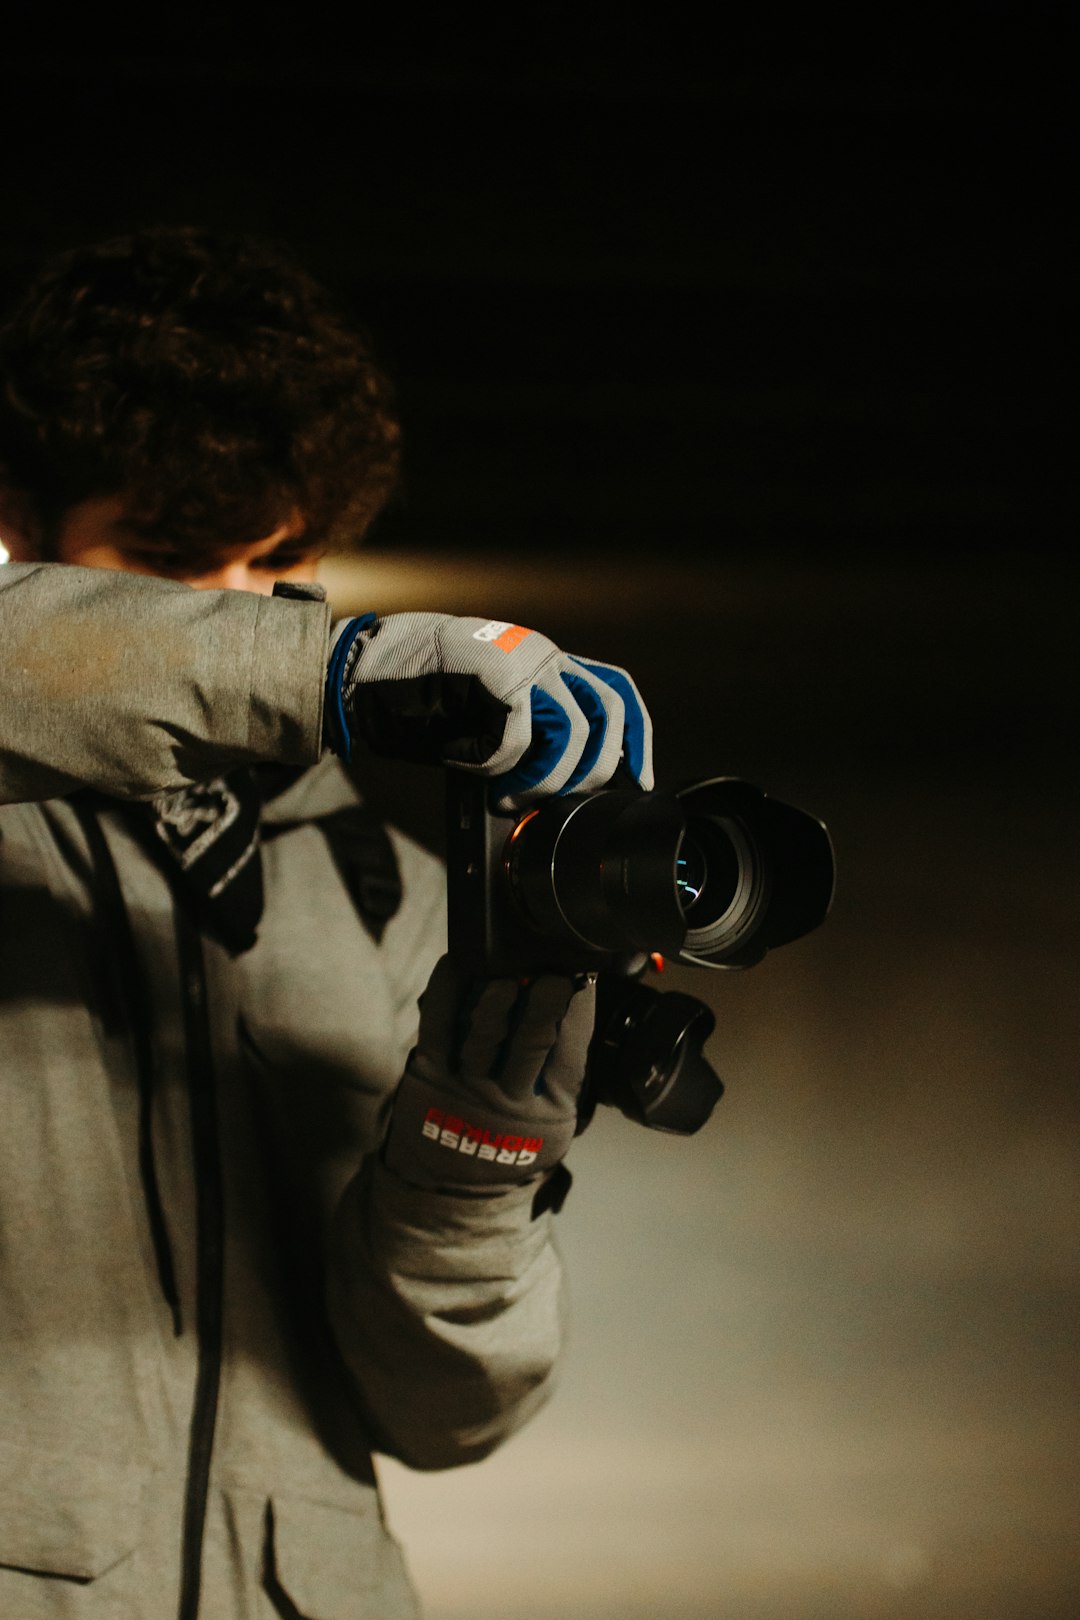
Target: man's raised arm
(134, 685)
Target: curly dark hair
(206, 377)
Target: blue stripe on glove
(591, 705)
(634, 722)
(551, 729)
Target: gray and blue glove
(489, 1098)
(488, 697)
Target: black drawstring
(131, 989)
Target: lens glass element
(707, 869)
(691, 874)
(721, 885)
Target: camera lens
(599, 872)
(715, 875)
(691, 874)
(720, 883)
(706, 872)
(708, 868)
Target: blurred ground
(822, 1358)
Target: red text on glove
(502, 635)
(500, 1147)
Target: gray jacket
(324, 1309)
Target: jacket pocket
(332, 1563)
(72, 1519)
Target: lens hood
(774, 873)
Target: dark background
(735, 352)
(784, 286)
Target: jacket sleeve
(133, 684)
(448, 1314)
(447, 1311)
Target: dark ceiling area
(769, 289)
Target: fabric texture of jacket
(215, 1303)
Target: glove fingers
(525, 1040)
(560, 732)
(505, 1025)
(533, 1032)
(498, 1029)
(604, 709)
(447, 1006)
(561, 1073)
(637, 732)
(580, 730)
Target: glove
(487, 697)
(489, 1098)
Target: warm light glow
(521, 825)
(5, 555)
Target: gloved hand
(487, 697)
(489, 1097)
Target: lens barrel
(600, 870)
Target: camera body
(713, 875)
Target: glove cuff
(336, 733)
(438, 1139)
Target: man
(235, 1257)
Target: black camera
(712, 875)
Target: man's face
(95, 534)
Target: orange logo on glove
(502, 635)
